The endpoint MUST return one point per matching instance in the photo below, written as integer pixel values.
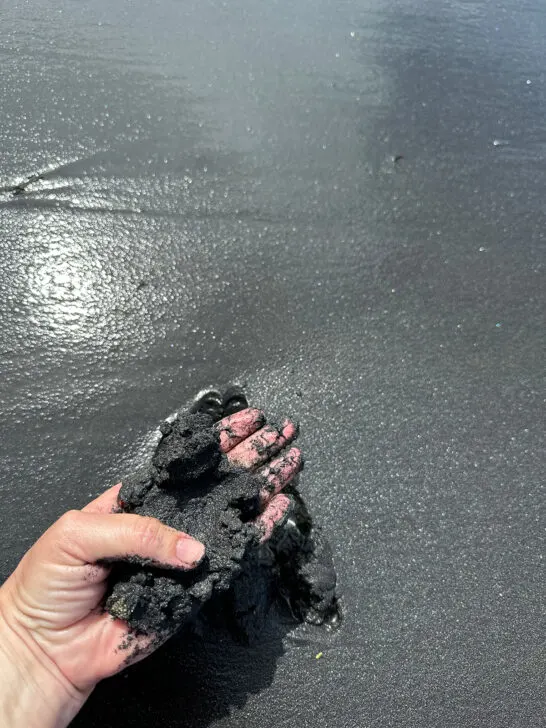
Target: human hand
(248, 442)
(53, 628)
(188, 486)
(56, 642)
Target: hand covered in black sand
(207, 517)
(222, 484)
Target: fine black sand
(220, 203)
(190, 486)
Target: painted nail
(189, 552)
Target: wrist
(33, 692)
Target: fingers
(234, 400)
(237, 427)
(106, 502)
(139, 646)
(273, 515)
(258, 448)
(280, 472)
(87, 537)
(109, 646)
(208, 402)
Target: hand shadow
(192, 681)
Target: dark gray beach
(342, 206)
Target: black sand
(236, 159)
(190, 486)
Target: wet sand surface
(219, 201)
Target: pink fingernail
(189, 552)
(290, 430)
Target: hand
(189, 485)
(53, 629)
(250, 444)
(56, 643)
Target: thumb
(90, 537)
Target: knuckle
(150, 533)
(65, 530)
(68, 523)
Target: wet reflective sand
(341, 205)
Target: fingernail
(290, 430)
(189, 552)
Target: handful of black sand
(190, 485)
